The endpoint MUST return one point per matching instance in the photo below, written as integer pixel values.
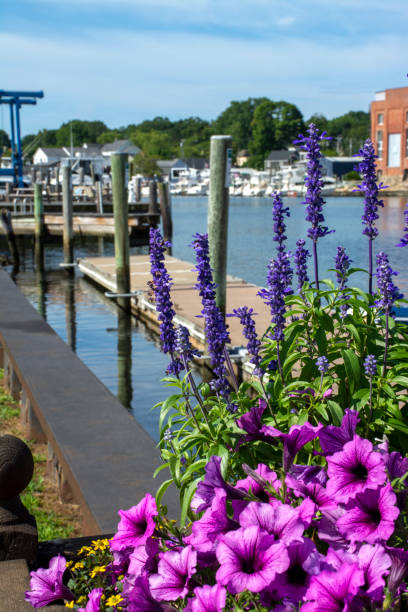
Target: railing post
(218, 203)
(39, 226)
(120, 212)
(67, 212)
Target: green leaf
(400, 380)
(162, 489)
(197, 466)
(354, 332)
(187, 496)
(336, 412)
(400, 425)
(352, 365)
(321, 340)
(160, 468)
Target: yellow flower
(78, 565)
(99, 569)
(114, 600)
(69, 604)
(69, 563)
(85, 549)
(81, 599)
(100, 544)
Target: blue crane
(15, 100)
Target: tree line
(257, 125)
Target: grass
(54, 518)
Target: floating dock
(89, 224)
(186, 299)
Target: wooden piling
(124, 347)
(218, 204)
(5, 219)
(99, 197)
(153, 208)
(38, 227)
(68, 236)
(138, 190)
(120, 213)
(165, 210)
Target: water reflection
(70, 311)
(125, 393)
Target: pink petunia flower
(370, 517)
(334, 591)
(46, 584)
(136, 524)
(249, 560)
(354, 469)
(173, 574)
(208, 599)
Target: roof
(243, 153)
(120, 146)
(281, 155)
(167, 164)
(53, 151)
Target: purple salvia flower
(334, 591)
(175, 570)
(46, 584)
(370, 366)
(314, 201)
(249, 560)
(369, 187)
(182, 344)
(279, 226)
(342, 264)
(254, 344)
(279, 281)
(136, 525)
(370, 516)
(389, 292)
(354, 469)
(161, 286)
(208, 599)
(404, 239)
(300, 259)
(215, 329)
(322, 364)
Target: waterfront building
(389, 133)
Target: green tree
(236, 120)
(4, 139)
(350, 131)
(145, 165)
(154, 143)
(82, 132)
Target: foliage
(353, 175)
(82, 132)
(349, 130)
(145, 165)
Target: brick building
(389, 132)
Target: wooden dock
(90, 224)
(186, 299)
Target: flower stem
(316, 264)
(279, 363)
(386, 341)
(370, 266)
(231, 369)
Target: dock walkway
(185, 298)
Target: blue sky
(123, 61)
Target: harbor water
(128, 360)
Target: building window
(406, 116)
(380, 118)
(406, 143)
(379, 144)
